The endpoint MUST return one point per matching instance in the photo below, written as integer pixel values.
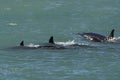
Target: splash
(67, 43)
(115, 40)
(71, 43)
(32, 45)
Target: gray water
(34, 21)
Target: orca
(22, 43)
(51, 40)
(97, 37)
(50, 44)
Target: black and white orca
(50, 44)
(97, 37)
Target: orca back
(94, 37)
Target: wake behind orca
(97, 37)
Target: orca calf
(97, 37)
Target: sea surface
(34, 21)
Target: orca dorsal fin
(22, 43)
(111, 35)
(51, 40)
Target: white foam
(8, 9)
(115, 39)
(67, 43)
(12, 24)
(32, 45)
(71, 43)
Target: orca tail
(22, 43)
(51, 40)
(111, 35)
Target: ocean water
(34, 21)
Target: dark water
(34, 21)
